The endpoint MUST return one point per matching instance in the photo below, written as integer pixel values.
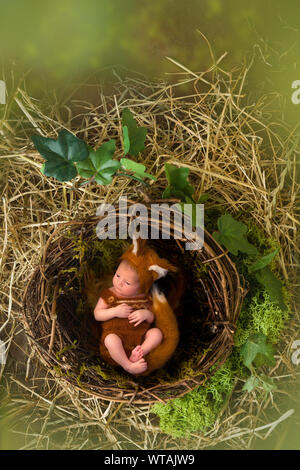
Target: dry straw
(234, 153)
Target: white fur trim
(159, 270)
(135, 246)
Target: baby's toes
(141, 352)
(135, 354)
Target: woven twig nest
(57, 317)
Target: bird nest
(58, 318)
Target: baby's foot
(136, 354)
(137, 367)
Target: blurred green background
(61, 44)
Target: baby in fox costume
(127, 312)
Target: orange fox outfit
(149, 267)
(130, 335)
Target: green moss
(58, 370)
(197, 410)
(81, 308)
(70, 270)
(81, 372)
(103, 255)
(260, 315)
(60, 353)
(180, 370)
(66, 373)
(98, 369)
(181, 417)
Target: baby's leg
(153, 338)
(117, 353)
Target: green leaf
(273, 286)
(257, 345)
(267, 383)
(203, 198)
(262, 262)
(60, 154)
(137, 168)
(251, 383)
(134, 136)
(232, 235)
(59, 168)
(170, 192)
(100, 164)
(126, 141)
(67, 146)
(178, 185)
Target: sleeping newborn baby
(125, 311)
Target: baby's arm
(102, 312)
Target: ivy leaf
(264, 261)
(100, 163)
(272, 285)
(232, 235)
(203, 198)
(267, 383)
(60, 154)
(257, 345)
(251, 383)
(137, 168)
(59, 168)
(134, 136)
(126, 140)
(178, 185)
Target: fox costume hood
(146, 262)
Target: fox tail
(166, 321)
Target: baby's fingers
(132, 319)
(134, 314)
(135, 320)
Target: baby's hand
(123, 310)
(138, 316)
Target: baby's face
(126, 281)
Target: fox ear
(163, 268)
(161, 272)
(138, 245)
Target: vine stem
(134, 178)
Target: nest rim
(221, 344)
